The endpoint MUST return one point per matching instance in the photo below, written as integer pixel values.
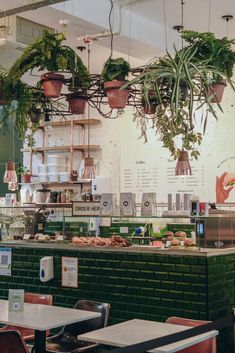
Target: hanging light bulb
(183, 167)
(10, 173)
(89, 170)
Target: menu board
(149, 167)
(141, 176)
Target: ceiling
(139, 25)
(196, 14)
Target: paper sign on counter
(5, 261)
(69, 272)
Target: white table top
(136, 331)
(43, 317)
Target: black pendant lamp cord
(111, 29)
(165, 27)
(182, 19)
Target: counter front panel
(136, 284)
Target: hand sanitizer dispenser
(46, 268)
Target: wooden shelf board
(79, 182)
(75, 122)
(85, 122)
(62, 148)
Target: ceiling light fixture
(183, 167)
(10, 173)
(89, 169)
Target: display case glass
(56, 223)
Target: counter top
(134, 248)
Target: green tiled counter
(138, 284)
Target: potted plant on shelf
(114, 75)
(25, 174)
(219, 54)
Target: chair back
(207, 346)
(11, 342)
(36, 298)
(88, 325)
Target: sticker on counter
(69, 272)
(16, 300)
(5, 261)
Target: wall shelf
(81, 148)
(82, 122)
(59, 183)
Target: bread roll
(168, 233)
(180, 234)
(189, 242)
(175, 242)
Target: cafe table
(42, 318)
(137, 331)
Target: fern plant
(48, 53)
(175, 113)
(217, 52)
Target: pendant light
(89, 168)
(10, 176)
(10, 173)
(183, 167)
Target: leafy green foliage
(48, 53)
(22, 170)
(166, 79)
(217, 52)
(115, 69)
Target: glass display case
(56, 223)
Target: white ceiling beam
(28, 7)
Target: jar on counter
(63, 196)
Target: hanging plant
(218, 53)
(48, 53)
(78, 86)
(175, 113)
(114, 75)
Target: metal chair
(33, 298)
(66, 340)
(207, 346)
(12, 342)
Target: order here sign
(81, 208)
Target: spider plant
(175, 113)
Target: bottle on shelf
(4, 233)
(59, 197)
(63, 196)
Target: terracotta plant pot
(150, 109)
(184, 90)
(117, 98)
(26, 178)
(35, 115)
(2, 101)
(77, 105)
(52, 84)
(217, 91)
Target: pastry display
(180, 234)
(115, 240)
